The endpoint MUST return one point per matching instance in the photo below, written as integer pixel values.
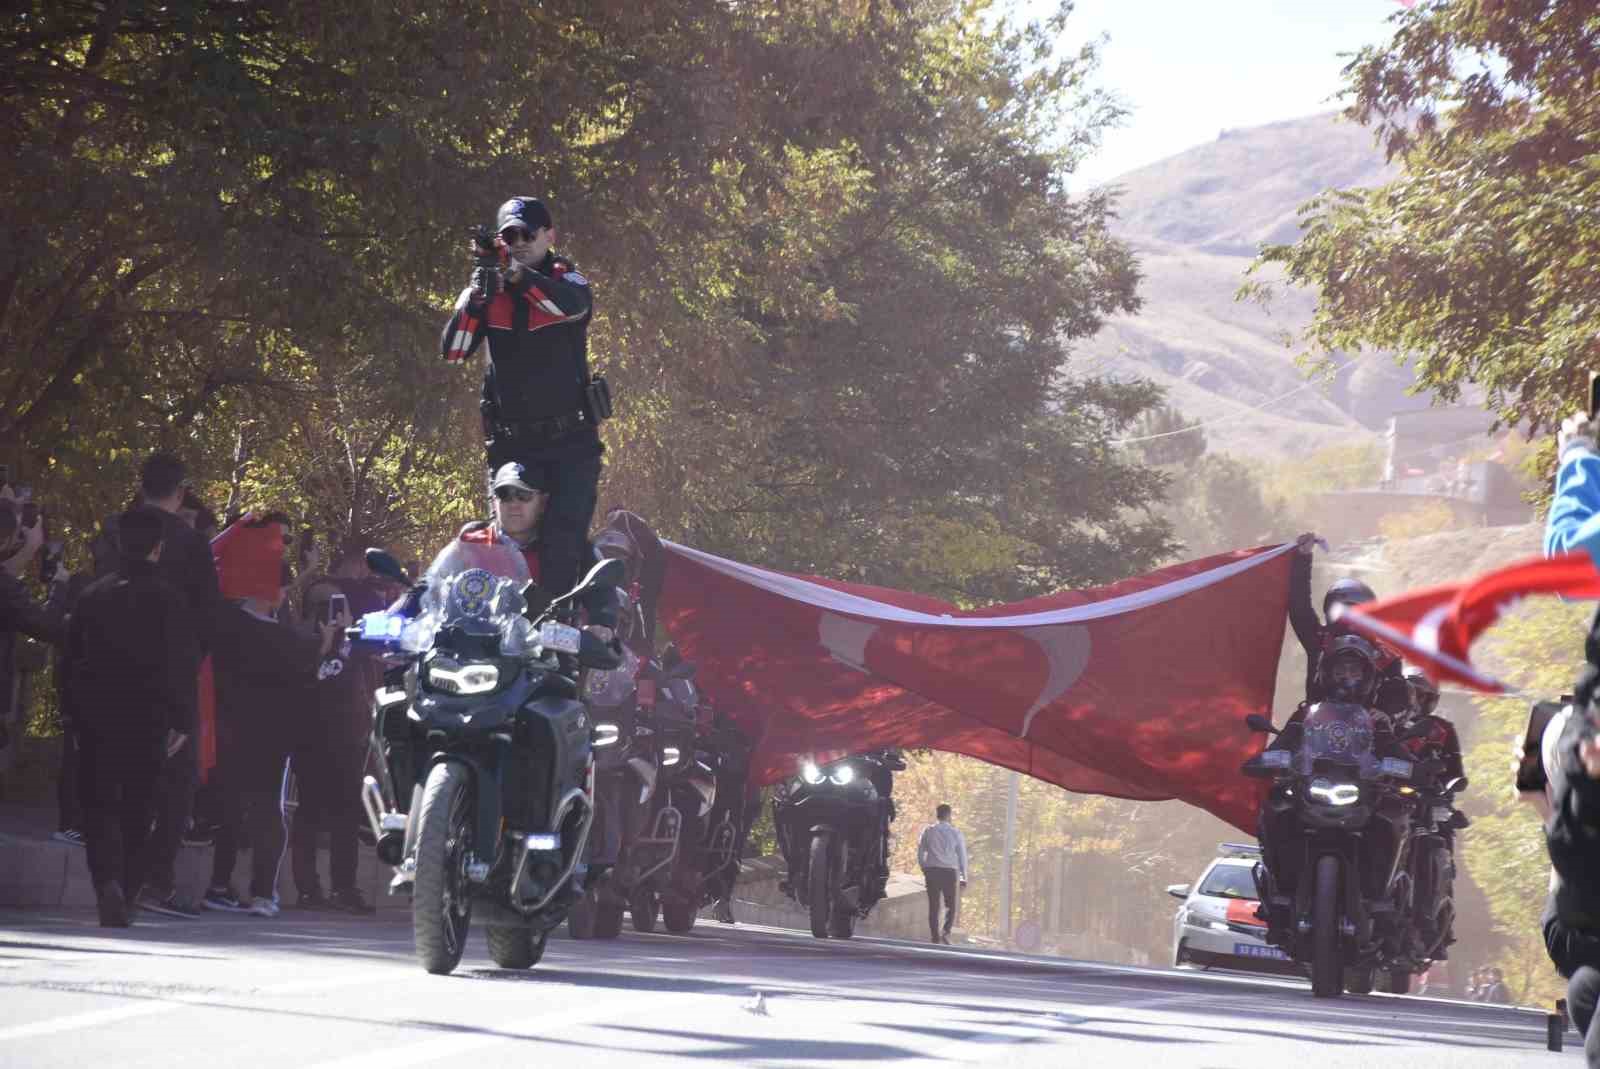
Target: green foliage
(1537, 649)
(1479, 263)
(833, 251)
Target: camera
(1530, 767)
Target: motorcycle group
(533, 767)
(538, 761)
(1358, 825)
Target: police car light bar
(1250, 849)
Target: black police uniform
(535, 403)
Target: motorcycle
(1438, 779)
(661, 874)
(1338, 825)
(833, 829)
(486, 796)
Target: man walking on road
(942, 853)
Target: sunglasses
(511, 493)
(515, 235)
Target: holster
(486, 414)
(597, 399)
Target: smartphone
(1530, 769)
(1594, 394)
(338, 605)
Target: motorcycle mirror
(610, 572)
(1257, 722)
(381, 562)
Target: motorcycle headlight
(1334, 793)
(606, 733)
(451, 678)
(811, 773)
(670, 755)
(843, 775)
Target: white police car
(1217, 923)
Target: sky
(1189, 69)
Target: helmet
(1346, 592)
(1424, 695)
(1348, 669)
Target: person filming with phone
(1559, 769)
(331, 748)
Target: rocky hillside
(1196, 220)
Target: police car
(1217, 923)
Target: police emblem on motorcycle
(472, 592)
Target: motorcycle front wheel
(441, 907)
(1327, 968)
(819, 895)
(515, 948)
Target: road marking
(167, 1004)
(416, 1053)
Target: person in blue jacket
(1574, 521)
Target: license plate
(554, 636)
(1257, 950)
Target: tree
(1479, 264)
(833, 251)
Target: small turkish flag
(1435, 628)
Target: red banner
(1434, 628)
(1135, 690)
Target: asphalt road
(234, 992)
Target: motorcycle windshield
(476, 587)
(1340, 731)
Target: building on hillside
(1441, 466)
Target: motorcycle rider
(539, 407)
(1317, 634)
(520, 519)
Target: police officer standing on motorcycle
(541, 407)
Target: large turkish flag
(1135, 690)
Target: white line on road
(166, 1004)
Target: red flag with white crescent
(1135, 690)
(1435, 628)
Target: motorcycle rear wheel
(441, 906)
(1395, 982)
(607, 919)
(843, 925)
(819, 895)
(515, 948)
(642, 904)
(678, 917)
(1327, 966)
(1358, 981)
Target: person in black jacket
(330, 753)
(185, 564)
(536, 404)
(131, 655)
(1393, 696)
(264, 670)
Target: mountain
(1196, 220)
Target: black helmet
(1348, 669)
(1424, 695)
(1346, 592)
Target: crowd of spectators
(206, 696)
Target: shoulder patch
(573, 277)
